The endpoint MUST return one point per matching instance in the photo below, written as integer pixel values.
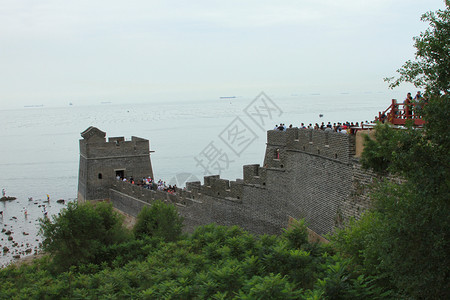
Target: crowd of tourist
(151, 184)
(344, 127)
(411, 106)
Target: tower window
(277, 154)
(120, 174)
(100, 176)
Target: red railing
(399, 113)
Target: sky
(53, 52)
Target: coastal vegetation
(397, 250)
(403, 241)
(214, 262)
(430, 68)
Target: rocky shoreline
(7, 198)
(30, 255)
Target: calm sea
(39, 152)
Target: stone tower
(102, 161)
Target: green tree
(269, 287)
(297, 234)
(79, 233)
(404, 239)
(215, 262)
(431, 68)
(159, 220)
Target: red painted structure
(399, 114)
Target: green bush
(342, 282)
(404, 240)
(297, 234)
(79, 233)
(159, 220)
(272, 286)
(215, 262)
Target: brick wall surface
(99, 161)
(315, 176)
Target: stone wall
(307, 174)
(100, 160)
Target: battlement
(280, 145)
(307, 173)
(181, 197)
(327, 144)
(255, 175)
(214, 186)
(102, 161)
(96, 147)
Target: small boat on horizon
(227, 97)
(34, 105)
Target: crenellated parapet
(327, 144)
(181, 197)
(101, 162)
(220, 188)
(115, 147)
(214, 186)
(255, 175)
(306, 173)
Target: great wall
(310, 174)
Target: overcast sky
(87, 51)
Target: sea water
(39, 152)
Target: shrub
(296, 235)
(77, 235)
(159, 220)
(273, 286)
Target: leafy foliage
(79, 233)
(403, 241)
(159, 220)
(214, 262)
(342, 283)
(269, 287)
(297, 234)
(431, 68)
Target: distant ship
(227, 97)
(105, 102)
(70, 103)
(34, 105)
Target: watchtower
(102, 162)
